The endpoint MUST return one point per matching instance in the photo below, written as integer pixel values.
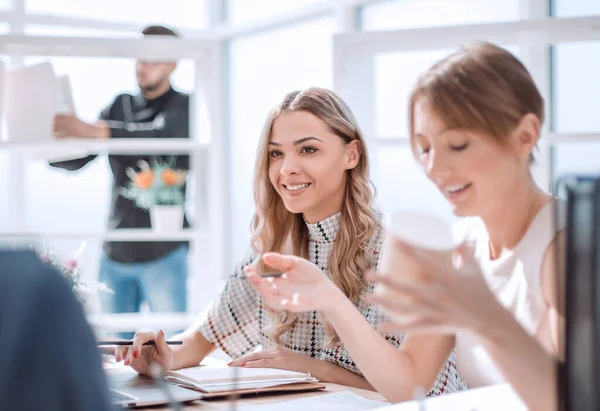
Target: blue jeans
(162, 283)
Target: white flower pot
(166, 218)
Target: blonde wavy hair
(276, 229)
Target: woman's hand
(302, 287)
(451, 299)
(280, 358)
(141, 357)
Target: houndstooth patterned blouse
(237, 321)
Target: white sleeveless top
(515, 278)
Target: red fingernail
(229, 365)
(118, 358)
(242, 364)
(127, 362)
(136, 354)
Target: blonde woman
(475, 120)
(313, 199)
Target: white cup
(421, 230)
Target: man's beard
(148, 88)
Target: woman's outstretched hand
(301, 287)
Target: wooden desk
(211, 405)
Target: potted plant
(70, 268)
(158, 188)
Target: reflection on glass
(177, 13)
(575, 90)
(404, 14)
(242, 11)
(263, 68)
(402, 184)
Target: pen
(267, 275)
(129, 342)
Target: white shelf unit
(134, 234)
(208, 251)
(113, 146)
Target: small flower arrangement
(159, 184)
(70, 269)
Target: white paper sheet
(65, 95)
(339, 401)
(32, 96)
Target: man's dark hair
(156, 30)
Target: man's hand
(68, 125)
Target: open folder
(219, 382)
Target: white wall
(264, 67)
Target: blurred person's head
(153, 77)
(475, 120)
(312, 163)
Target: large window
(404, 14)
(400, 181)
(573, 8)
(67, 202)
(59, 31)
(264, 67)
(242, 11)
(63, 203)
(180, 13)
(576, 92)
(575, 95)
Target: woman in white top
(475, 120)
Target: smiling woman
(313, 198)
(298, 161)
(475, 119)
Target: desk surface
(494, 398)
(215, 404)
(268, 399)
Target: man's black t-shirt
(135, 117)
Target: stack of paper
(30, 119)
(219, 380)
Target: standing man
(155, 272)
